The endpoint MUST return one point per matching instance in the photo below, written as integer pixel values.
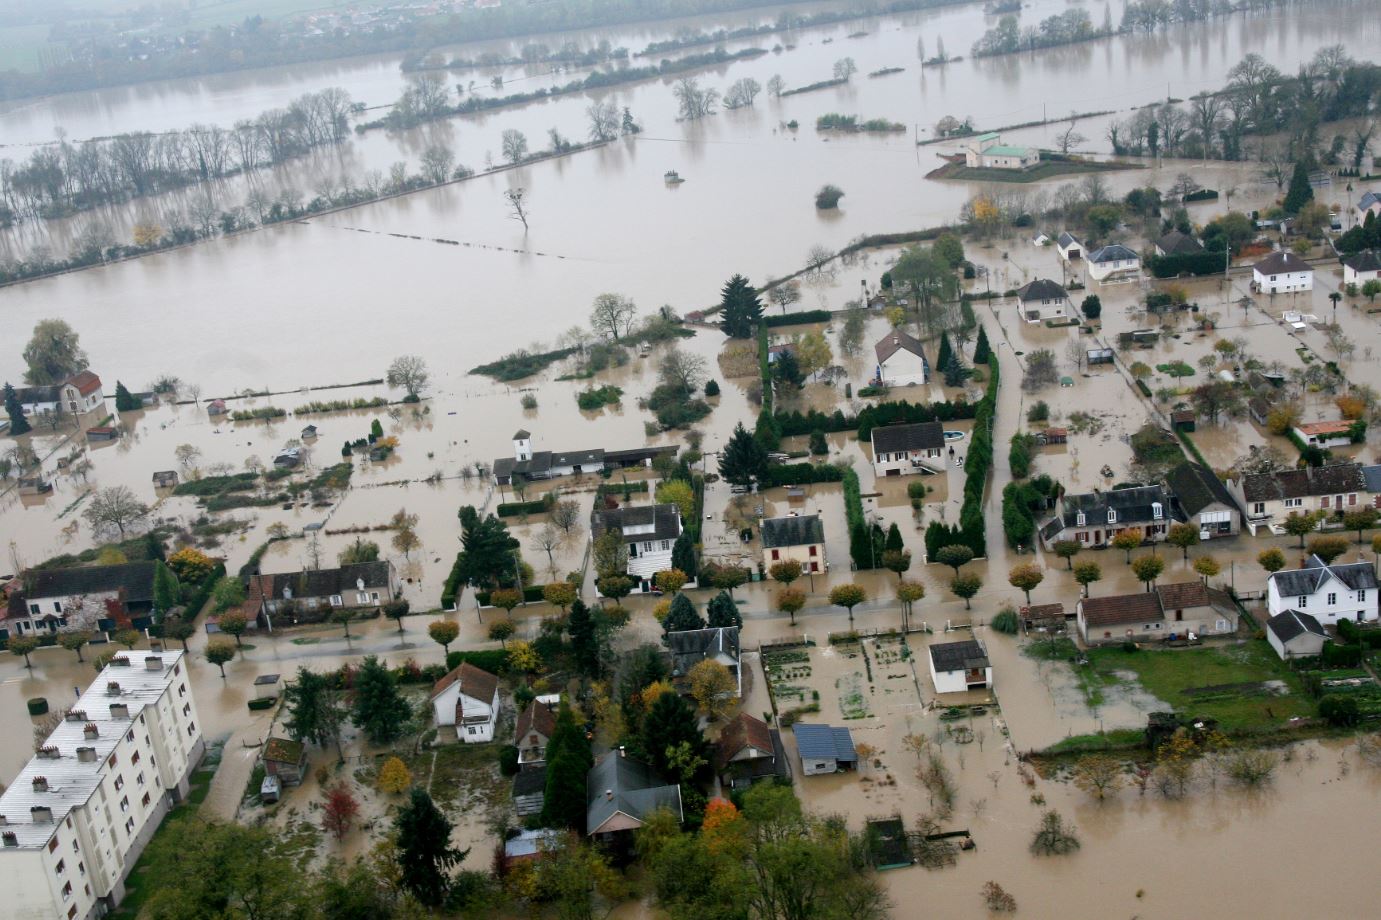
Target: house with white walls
(1282, 272)
(648, 532)
(1328, 593)
(901, 361)
(468, 699)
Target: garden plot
(847, 681)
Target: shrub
(1339, 711)
(508, 760)
(1006, 622)
(711, 387)
(37, 706)
(828, 197)
(598, 398)
(529, 401)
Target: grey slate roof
(1334, 479)
(917, 436)
(135, 578)
(617, 783)
(824, 742)
(958, 656)
(1292, 623)
(1179, 244)
(1041, 289)
(1281, 262)
(792, 531)
(530, 781)
(895, 341)
(665, 521)
(1066, 238)
(326, 582)
(1298, 582)
(1365, 261)
(1133, 506)
(1371, 475)
(689, 647)
(1369, 199)
(1113, 253)
(1195, 488)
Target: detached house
(534, 729)
(689, 647)
(1204, 500)
(1295, 635)
(1334, 433)
(77, 394)
(468, 699)
(1361, 267)
(800, 538)
(1094, 518)
(90, 598)
(311, 596)
(1329, 593)
(1269, 498)
(1174, 610)
(901, 450)
(749, 751)
(1176, 243)
(988, 152)
(528, 465)
(648, 532)
(1282, 272)
(1069, 247)
(901, 361)
(1114, 263)
(620, 794)
(959, 666)
(1043, 300)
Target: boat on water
(672, 177)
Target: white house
(959, 666)
(77, 394)
(534, 729)
(901, 361)
(901, 450)
(1336, 433)
(528, 464)
(649, 533)
(468, 699)
(1282, 272)
(1361, 267)
(988, 152)
(1326, 592)
(86, 598)
(1369, 204)
(79, 814)
(1043, 300)
(1114, 263)
(1295, 635)
(1069, 247)
(797, 537)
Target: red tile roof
(743, 732)
(474, 682)
(1116, 609)
(537, 717)
(1341, 426)
(85, 382)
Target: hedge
(531, 594)
(622, 488)
(495, 661)
(1197, 263)
(452, 586)
(516, 509)
(888, 413)
(203, 594)
(799, 474)
(796, 319)
(970, 530)
(1203, 194)
(257, 704)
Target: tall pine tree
(18, 423)
(740, 309)
(682, 616)
(683, 554)
(379, 708)
(722, 611)
(425, 855)
(744, 459)
(982, 350)
(668, 723)
(568, 761)
(1301, 192)
(125, 401)
(584, 639)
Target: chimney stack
(41, 814)
(609, 795)
(153, 662)
(86, 754)
(10, 838)
(90, 731)
(40, 784)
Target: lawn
(1174, 675)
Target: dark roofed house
(620, 794)
(1094, 518)
(1114, 263)
(1361, 267)
(165, 479)
(800, 538)
(530, 790)
(1204, 500)
(1295, 635)
(1282, 272)
(310, 596)
(899, 450)
(689, 647)
(648, 531)
(959, 666)
(1329, 592)
(88, 598)
(749, 751)
(1042, 300)
(528, 464)
(824, 749)
(1176, 243)
(1268, 498)
(1071, 250)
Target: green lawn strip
(1168, 674)
(138, 886)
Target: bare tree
(437, 161)
(844, 68)
(742, 93)
(514, 145)
(775, 86)
(517, 205)
(612, 315)
(682, 370)
(604, 120)
(692, 101)
(548, 539)
(115, 507)
(409, 373)
(1069, 138)
(785, 294)
(566, 515)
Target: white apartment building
(76, 818)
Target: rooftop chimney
(609, 795)
(75, 715)
(40, 784)
(86, 754)
(112, 688)
(41, 814)
(153, 662)
(48, 752)
(10, 839)
(120, 661)
(3, 821)
(90, 731)
(119, 710)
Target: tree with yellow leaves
(147, 234)
(523, 657)
(649, 694)
(713, 687)
(394, 776)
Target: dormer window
(1156, 510)
(1080, 520)
(1112, 516)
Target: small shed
(530, 790)
(1183, 419)
(285, 759)
(824, 749)
(165, 479)
(102, 433)
(1054, 436)
(1049, 617)
(267, 686)
(288, 459)
(527, 846)
(1096, 356)
(309, 432)
(34, 485)
(216, 407)
(270, 790)
(1295, 634)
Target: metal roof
(71, 782)
(792, 531)
(825, 742)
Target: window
(1289, 503)
(177, 669)
(124, 804)
(75, 848)
(135, 758)
(192, 729)
(776, 555)
(119, 783)
(1332, 599)
(59, 867)
(1362, 594)
(666, 545)
(1259, 508)
(181, 691)
(71, 912)
(139, 780)
(33, 608)
(1112, 516)
(67, 891)
(129, 826)
(1303, 602)
(335, 600)
(52, 844)
(129, 736)
(1083, 536)
(186, 708)
(112, 761)
(814, 550)
(1079, 519)
(145, 801)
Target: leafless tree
(437, 161)
(566, 515)
(115, 507)
(604, 120)
(682, 370)
(517, 205)
(775, 86)
(514, 145)
(692, 101)
(1069, 138)
(742, 93)
(785, 294)
(409, 373)
(548, 539)
(612, 315)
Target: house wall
(1283, 283)
(532, 748)
(1202, 621)
(955, 681)
(1352, 276)
(1211, 525)
(817, 767)
(1038, 311)
(810, 555)
(1070, 253)
(902, 463)
(80, 611)
(652, 557)
(1101, 534)
(478, 718)
(1121, 632)
(74, 401)
(1345, 603)
(1102, 270)
(444, 705)
(903, 369)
